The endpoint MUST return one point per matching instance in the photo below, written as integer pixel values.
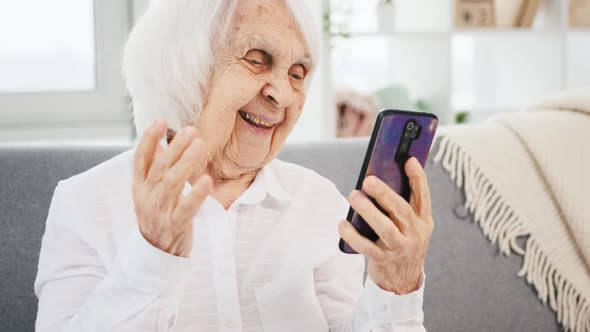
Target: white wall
(318, 120)
(138, 7)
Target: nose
(278, 92)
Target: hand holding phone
(397, 136)
(390, 219)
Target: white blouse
(269, 263)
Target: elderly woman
(210, 232)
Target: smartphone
(397, 136)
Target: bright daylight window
(54, 49)
(60, 70)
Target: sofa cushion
(28, 176)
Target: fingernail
(370, 182)
(157, 124)
(355, 196)
(414, 164)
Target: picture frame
(475, 14)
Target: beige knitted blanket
(528, 174)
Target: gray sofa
(470, 286)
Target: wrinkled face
(257, 90)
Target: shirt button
(384, 307)
(229, 323)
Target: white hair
(168, 57)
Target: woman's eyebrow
(260, 43)
(306, 61)
(257, 42)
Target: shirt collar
(266, 182)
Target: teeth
(257, 120)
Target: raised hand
(165, 217)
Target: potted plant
(385, 15)
(462, 117)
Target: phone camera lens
(410, 126)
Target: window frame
(105, 106)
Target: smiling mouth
(256, 122)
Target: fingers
(420, 197)
(147, 148)
(189, 205)
(388, 232)
(195, 155)
(396, 206)
(172, 154)
(359, 243)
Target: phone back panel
(380, 159)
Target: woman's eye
(297, 77)
(254, 62)
(297, 73)
(257, 58)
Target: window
(60, 68)
(47, 54)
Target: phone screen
(397, 136)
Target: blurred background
(460, 59)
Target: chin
(250, 157)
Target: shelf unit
(483, 71)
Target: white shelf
(402, 34)
(483, 70)
(507, 31)
(482, 31)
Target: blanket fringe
(502, 226)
